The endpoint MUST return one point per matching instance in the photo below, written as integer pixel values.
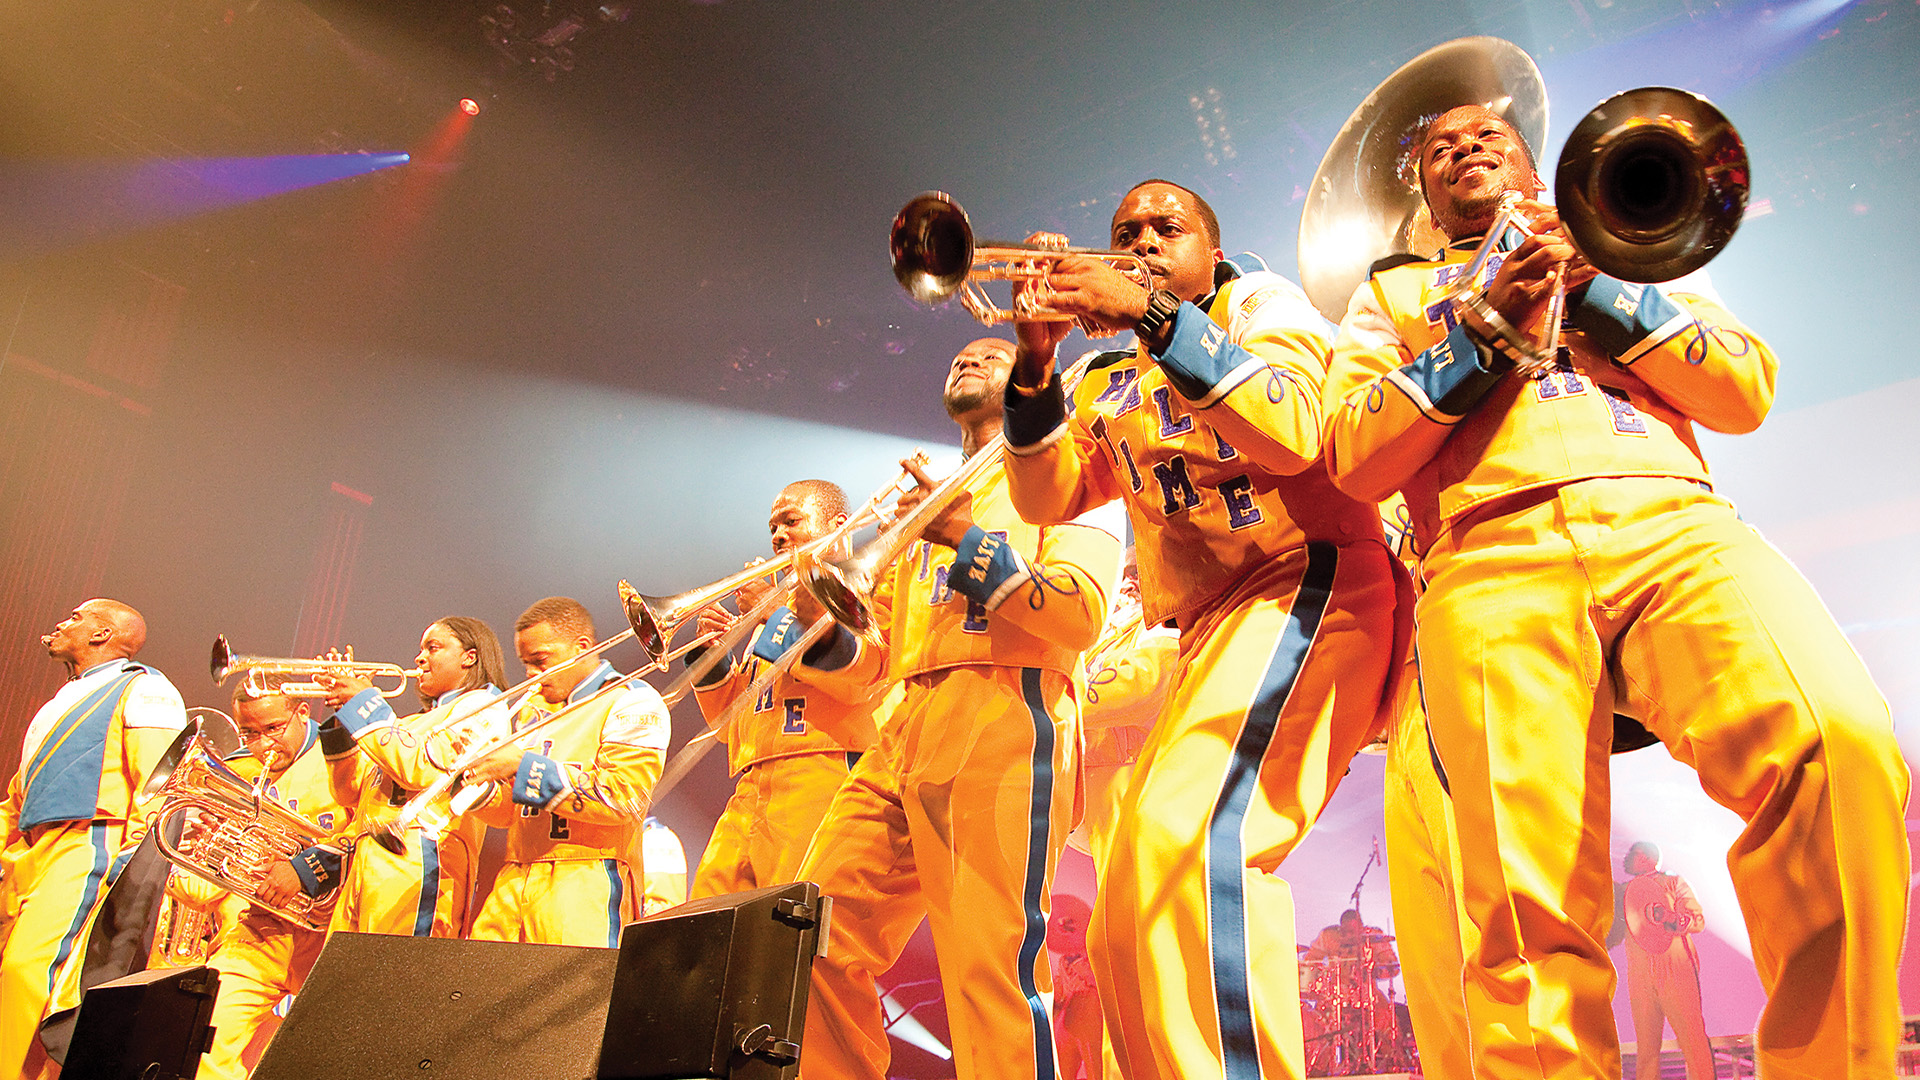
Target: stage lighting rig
(541, 34)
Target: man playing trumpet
(792, 752)
(1286, 598)
(380, 759)
(1577, 562)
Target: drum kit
(1353, 1026)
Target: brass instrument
(655, 618)
(845, 586)
(293, 676)
(233, 842)
(935, 258)
(184, 933)
(1651, 184)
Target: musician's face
(442, 662)
(275, 724)
(978, 378)
(796, 519)
(545, 649)
(1160, 223)
(1469, 160)
(75, 632)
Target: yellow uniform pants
(1664, 989)
(768, 822)
(422, 893)
(1544, 612)
(577, 902)
(956, 816)
(1193, 936)
(50, 888)
(1424, 876)
(261, 959)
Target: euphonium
(233, 844)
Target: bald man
(69, 815)
(1663, 968)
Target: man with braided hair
(792, 751)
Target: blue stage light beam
(49, 205)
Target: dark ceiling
(698, 207)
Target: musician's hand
(1033, 359)
(341, 687)
(194, 830)
(281, 884)
(500, 765)
(1525, 281)
(805, 607)
(748, 596)
(1093, 290)
(951, 524)
(714, 619)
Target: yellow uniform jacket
(1215, 446)
(89, 748)
(1013, 595)
(800, 713)
(572, 796)
(1412, 407)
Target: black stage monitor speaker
(715, 988)
(151, 1025)
(377, 1007)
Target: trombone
(294, 676)
(844, 587)
(935, 258)
(654, 619)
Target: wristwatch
(1162, 306)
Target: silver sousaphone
(1650, 186)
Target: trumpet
(935, 257)
(293, 676)
(655, 618)
(844, 587)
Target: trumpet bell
(1364, 202)
(1652, 184)
(932, 245)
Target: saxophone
(238, 836)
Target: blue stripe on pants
(1226, 861)
(616, 891)
(1032, 892)
(89, 895)
(429, 885)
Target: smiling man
(1577, 563)
(1209, 430)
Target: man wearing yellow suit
(69, 817)
(792, 752)
(1576, 563)
(262, 957)
(959, 812)
(380, 760)
(571, 795)
(1288, 605)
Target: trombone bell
(1652, 184)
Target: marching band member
(1576, 557)
(1663, 967)
(70, 814)
(568, 807)
(262, 957)
(958, 813)
(792, 753)
(1286, 599)
(379, 760)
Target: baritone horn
(935, 258)
(294, 676)
(232, 841)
